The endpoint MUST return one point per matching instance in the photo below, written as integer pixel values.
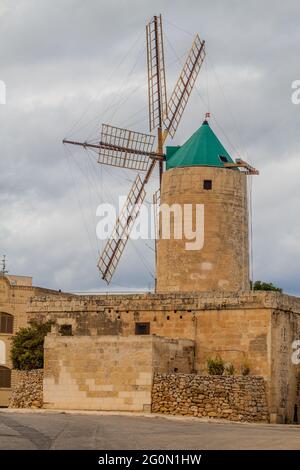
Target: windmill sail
(157, 93)
(184, 85)
(125, 148)
(115, 245)
(134, 150)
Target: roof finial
(207, 116)
(4, 270)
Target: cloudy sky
(70, 65)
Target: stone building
(254, 329)
(110, 351)
(15, 295)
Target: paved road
(92, 431)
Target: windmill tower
(201, 172)
(134, 150)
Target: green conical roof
(202, 149)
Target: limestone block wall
(241, 337)
(235, 398)
(237, 327)
(109, 372)
(285, 375)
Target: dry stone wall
(28, 391)
(235, 398)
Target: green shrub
(259, 285)
(27, 350)
(215, 366)
(229, 369)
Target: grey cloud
(59, 58)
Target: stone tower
(196, 174)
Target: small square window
(142, 328)
(223, 158)
(66, 330)
(207, 184)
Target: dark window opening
(142, 328)
(65, 330)
(296, 414)
(168, 318)
(5, 377)
(207, 184)
(180, 317)
(175, 369)
(6, 323)
(223, 158)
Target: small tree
(259, 285)
(28, 346)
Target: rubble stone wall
(28, 389)
(236, 398)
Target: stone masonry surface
(235, 398)
(109, 372)
(222, 264)
(28, 391)
(257, 328)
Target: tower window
(142, 328)
(207, 184)
(223, 158)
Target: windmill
(134, 150)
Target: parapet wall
(236, 398)
(64, 303)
